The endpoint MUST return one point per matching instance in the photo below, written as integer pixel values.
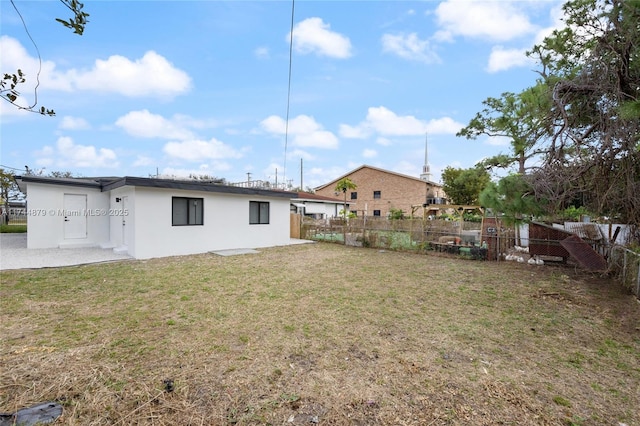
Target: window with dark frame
(187, 211)
(376, 194)
(376, 212)
(258, 213)
(354, 195)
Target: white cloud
(503, 59)
(68, 154)
(74, 123)
(444, 126)
(261, 52)
(407, 168)
(557, 17)
(152, 75)
(305, 131)
(353, 132)
(143, 161)
(369, 153)
(410, 47)
(383, 141)
(14, 57)
(497, 141)
(317, 176)
(198, 150)
(494, 20)
(204, 169)
(314, 36)
(297, 154)
(385, 122)
(144, 124)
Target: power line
(11, 168)
(35, 89)
(286, 129)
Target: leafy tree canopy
(575, 135)
(514, 197)
(463, 186)
(520, 118)
(592, 70)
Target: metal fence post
(638, 282)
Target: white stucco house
(147, 217)
(317, 206)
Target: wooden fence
(295, 224)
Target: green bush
(13, 229)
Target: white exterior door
(75, 218)
(125, 212)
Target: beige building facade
(378, 191)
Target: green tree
(344, 185)
(8, 190)
(592, 67)
(463, 186)
(514, 197)
(10, 82)
(396, 214)
(521, 118)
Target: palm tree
(343, 185)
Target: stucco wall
(326, 209)
(225, 224)
(121, 222)
(46, 216)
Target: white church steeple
(426, 169)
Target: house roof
(110, 183)
(333, 182)
(308, 196)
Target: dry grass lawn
(320, 334)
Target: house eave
(111, 183)
(185, 185)
(84, 183)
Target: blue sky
(182, 87)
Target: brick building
(378, 191)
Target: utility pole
(301, 186)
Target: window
(258, 212)
(376, 195)
(376, 212)
(186, 211)
(354, 195)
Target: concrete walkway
(15, 255)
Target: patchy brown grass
(321, 334)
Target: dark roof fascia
(110, 183)
(315, 200)
(315, 197)
(193, 186)
(86, 183)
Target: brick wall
(396, 192)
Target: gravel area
(15, 255)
